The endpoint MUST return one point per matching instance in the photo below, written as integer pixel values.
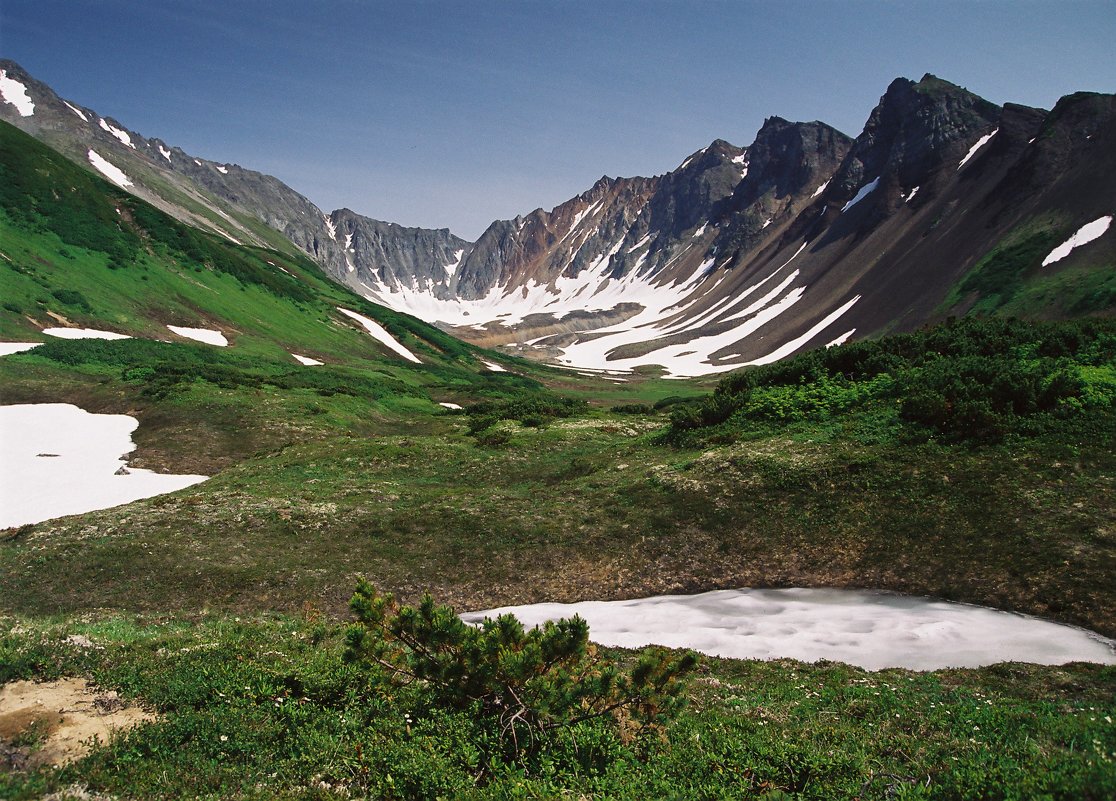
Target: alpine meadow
(789, 472)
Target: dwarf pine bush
(522, 683)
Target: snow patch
(453, 406)
(109, 170)
(700, 231)
(873, 630)
(8, 348)
(819, 190)
(865, 190)
(451, 268)
(493, 366)
(910, 197)
(841, 340)
(979, 144)
(330, 227)
(306, 360)
(165, 153)
(61, 460)
(83, 333)
(118, 133)
(1085, 234)
(76, 110)
(222, 170)
(206, 335)
(15, 93)
(379, 333)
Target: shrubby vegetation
(161, 368)
(968, 380)
(518, 685)
(531, 409)
(267, 708)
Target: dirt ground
(53, 723)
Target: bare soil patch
(56, 722)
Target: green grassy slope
(80, 248)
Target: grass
(265, 708)
(592, 507)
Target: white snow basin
(58, 460)
(874, 630)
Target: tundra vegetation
(972, 461)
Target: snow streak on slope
(83, 333)
(110, 171)
(77, 111)
(863, 193)
(979, 144)
(206, 335)
(378, 332)
(119, 134)
(306, 360)
(1085, 234)
(15, 93)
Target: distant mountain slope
(237, 203)
(80, 252)
(945, 204)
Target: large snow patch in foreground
(874, 630)
(60, 460)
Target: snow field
(869, 629)
(123, 136)
(865, 190)
(15, 93)
(77, 111)
(61, 460)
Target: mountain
(239, 204)
(81, 252)
(945, 204)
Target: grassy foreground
(218, 607)
(266, 708)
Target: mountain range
(945, 204)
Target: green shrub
(521, 684)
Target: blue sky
(453, 114)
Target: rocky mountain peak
(915, 129)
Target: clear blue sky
(452, 114)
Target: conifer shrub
(523, 686)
